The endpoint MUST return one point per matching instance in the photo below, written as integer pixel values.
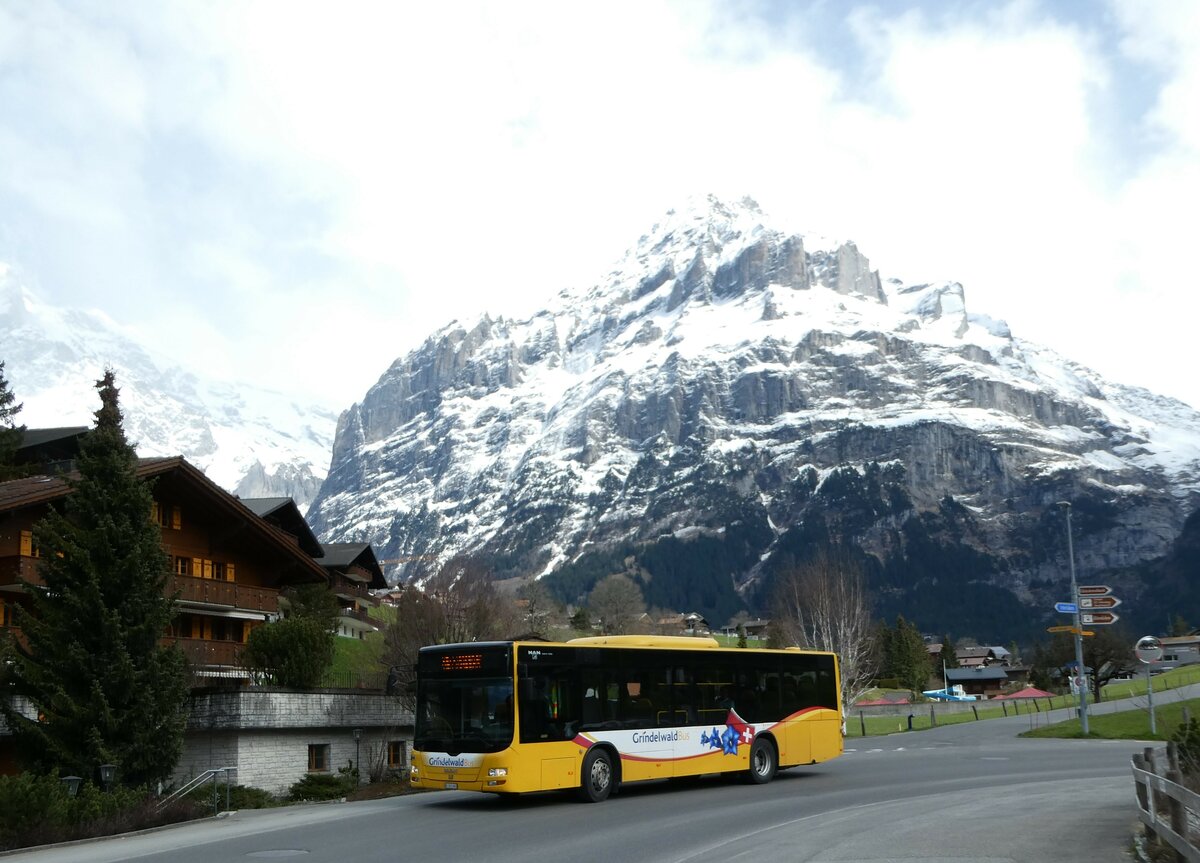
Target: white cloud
(297, 182)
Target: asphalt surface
(971, 792)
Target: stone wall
(266, 734)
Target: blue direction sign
(1066, 608)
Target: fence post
(1173, 756)
(862, 723)
(1148, 758)
(975, 710)
(1142, 790)
(1004, 707)
(932, 717)
(1178, 817)
(1035, 706)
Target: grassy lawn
(1133, 724)
(355, 660)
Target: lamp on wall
(72, 783)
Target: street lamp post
(108, 772)
(72, 783)
(1082, 678)
(357, 752)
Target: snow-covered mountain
(251, 441)
(732, 394)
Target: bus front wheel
(763, 762)
(597, 779)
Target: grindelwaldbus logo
(659, 736)
(446, 761)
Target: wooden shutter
(176, 518)
(229, 574)
(26, 543)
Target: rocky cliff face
(733, 388)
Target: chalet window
(224, 629)
(318, 757)
(183, 566)
(166, 516)
(397, 756)
(28, 549)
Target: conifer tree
(92, 665)
(10, 432)
(949, 657)
(905, 656)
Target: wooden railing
(1165, 806)
(225, 593)
(350, 590)
(356, 614)
(15, 568)
(201, 652)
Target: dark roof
(343, 555)
(285, 515)
(965, 675)
(264, 506)
(34, 490)
(37, 437)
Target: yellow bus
(593, 713)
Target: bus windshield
(460, 714)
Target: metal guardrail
(1165, 806)
(197, 782)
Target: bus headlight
(412, 772)
(497, 771)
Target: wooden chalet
(228, 564)
(353, 573)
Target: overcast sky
(274, 190)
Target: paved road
(973, 792)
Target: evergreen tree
(581, 621)
(92, 665)
(10, 432)
(949, 658)
(905, 656)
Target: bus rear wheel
(763, 762)
(597, 780)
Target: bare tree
(618, 602)
(823, 604)
(459, 604)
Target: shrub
(37, 810)
(320, 786)
(1187, 738)
(240, 797)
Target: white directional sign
(1098, 602)
(1098, 618)
(1094, 590)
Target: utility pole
(1082, 678)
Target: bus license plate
(451, 786)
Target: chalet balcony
(17, 568)
(347, 589)
(202, 653)
(228, 594)
(357, 614)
